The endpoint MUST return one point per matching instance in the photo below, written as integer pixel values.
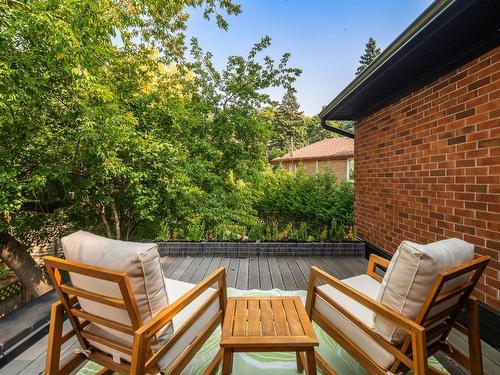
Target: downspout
(325, 126)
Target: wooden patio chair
(392, 323)
(128, 319)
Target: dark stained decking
(286, 273)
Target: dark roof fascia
(413, 31)
(410, 32)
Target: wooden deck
(286, 273)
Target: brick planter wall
(428, 167)
(246, 249)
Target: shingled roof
(331, 148)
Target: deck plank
(286, 274)
(297, 274)
(348, 266)
(242, 278)
(303, 267)
(166, 261)
(176, 275)
(214, 264)
(253, 274)
(264, 274)
(169, 270)
(32, 360)
(232, 272)
(191, 269)
(276, 278)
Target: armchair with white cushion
(393, 322)
(126, 316)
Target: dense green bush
(296, 206)
(279, 206)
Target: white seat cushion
(141, 262)
(175, 290)
(370, 287)
(410, 277)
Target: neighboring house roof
(331, 148)
(448, 34)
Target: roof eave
(410, 32)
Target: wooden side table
(268, 324)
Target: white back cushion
(140, 261)
(411, 275)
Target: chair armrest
(418, 360)
(401, 321)
(143, 360)
(150, 328)
(374, 262)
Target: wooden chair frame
(144, 361)
(414, 351)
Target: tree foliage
(108, 126)
(370, 53)
(297, 206)
(290, 129)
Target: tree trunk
(329, 231)
(116, 218)
(105, 222)
(18, 259)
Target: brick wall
(428, 167)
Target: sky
(325, 38)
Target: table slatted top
(267, 321)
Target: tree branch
(105, 222)
(116, 218)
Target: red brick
(428, 166)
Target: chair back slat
(77, 314)
(443, 303)
(100, 298)
(443, 297)
(105, 341)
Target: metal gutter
(407, 35)
(343, 133)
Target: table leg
(311, 362)
(300, 365)
(227, 362)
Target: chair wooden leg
(311, 362)
(419, 348)
(475, 352)
(214, 365)
(435, 371)
(227, 362)
(300, 366)
(138, 355)
(105, 371)
(55, 339)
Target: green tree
(231, 144)
(315, 132)
(289, 126)
(348, 126)
(371, 52)
(75, 138)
